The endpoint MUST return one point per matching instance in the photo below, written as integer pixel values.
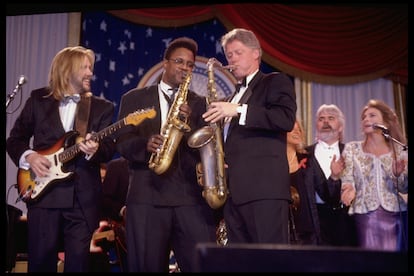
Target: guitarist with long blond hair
(62, 198)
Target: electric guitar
(110, 239)
(108, 234)
(30, 187)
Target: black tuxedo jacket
(335, 227)
(328, 189)
(115, 188)
(256, 152)
(40, 119)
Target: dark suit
(335, 227)
(114, 191)
(115, 187)
(305, 216)
(258, 173)
(78, 195)
(163, 211)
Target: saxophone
(209, 141)
(172, 131)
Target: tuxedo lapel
(52, 112)
(155, 101)
(247, 94)
(318, 177)
(341, 147)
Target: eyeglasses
(180, 61)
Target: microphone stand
(11, 96)
(388, 136)
(402, 246)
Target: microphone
(22, 80)
(381, 127)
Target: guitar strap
(82, 113)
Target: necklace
(292, 158)
(293, 163)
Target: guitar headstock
(138, 116)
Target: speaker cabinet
(295, 258)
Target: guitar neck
(134, 118)
(71, 152)
(109, 235)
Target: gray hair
(333, 110)
(246, 37)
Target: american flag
(127, 54)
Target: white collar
(325, 146)
(250, 77)
(166, 88)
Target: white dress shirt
(236, 98)
(324, 154)
(164, 88)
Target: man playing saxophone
(256, 120)
(165, 208)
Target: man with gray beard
(334, 227)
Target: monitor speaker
(295, 258)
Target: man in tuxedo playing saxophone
(164, 207)
(256, 122)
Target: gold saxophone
(172, 131)
(209, 141)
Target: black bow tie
(172, 91)
(170, 98)
(75, 98)
(241, 84)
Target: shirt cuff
(243, 114)
(23, 164)
(89, 156)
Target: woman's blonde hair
(300, 148)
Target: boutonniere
(302, 163)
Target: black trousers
(337, 227)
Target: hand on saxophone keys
(154, 143)
(219, 110)
(185, 112)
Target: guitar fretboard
(74, 150)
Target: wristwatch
(239, 108)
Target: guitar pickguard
(32, 186)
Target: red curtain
(333, 44)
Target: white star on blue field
(126, 51)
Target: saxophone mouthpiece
(213, 61)
(230, 68)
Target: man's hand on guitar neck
(89, 146)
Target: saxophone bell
(201, 137)
(209, 178)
